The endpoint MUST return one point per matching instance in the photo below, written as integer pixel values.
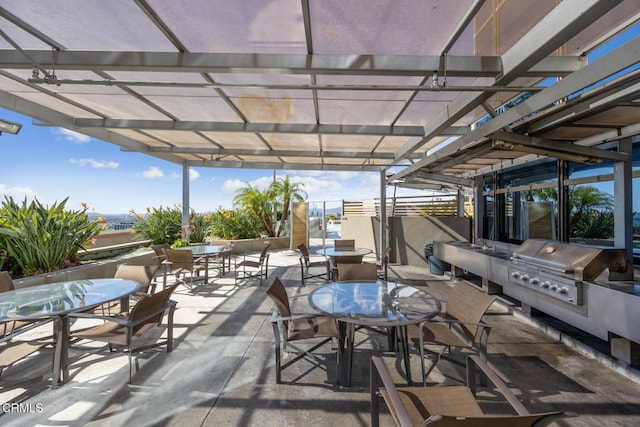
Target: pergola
(396, 87)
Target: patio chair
(6, 285)
(460, 328)
(253, 266)
(347, 259)
(220, 262)
(13, 350)
(307, 263)
(143, 274)
(344, 244)
(451, 405)
(364, 271)
(181, 264)
(159, 251)
(383, 263)
(288, 328)
(145, 317)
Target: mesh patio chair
(159, 252)
(461, 326)
(181, 264)
(346, 259)
(450, 405)
(6, 285)
(253, 266)
(288, 328)
(144, 317)
(143, 274)
(344, 244)
(307, 263)
(364, 271)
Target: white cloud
(231, 185)
(193, 174)
(18, 193)
(69, 135)
(96, 164)
(153, 172)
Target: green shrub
(160, 225)
(199, 225)
(37, 239)
(234, 224)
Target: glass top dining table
(333, 252)
(207, 251)
(57, 301)
(61, 298)
(390, 305)
(374, 303)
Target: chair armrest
(119, 320)
(22, 330)
(456, 322)
(275, 317)
(380, 377)
(475, 363)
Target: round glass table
(210, 251)
(375, 303)
(57, 301)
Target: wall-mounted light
(9, 127)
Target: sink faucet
(483, 243)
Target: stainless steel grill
(559, 269)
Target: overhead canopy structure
(396, 86)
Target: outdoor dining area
(303, 338)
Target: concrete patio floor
(221, 371)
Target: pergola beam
(284, 166)
(298, 128)
(565, 21)
(449, 179)
(558, 147)
(212, 151)
(406, 65)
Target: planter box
(94, 270)
(253, 245)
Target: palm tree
(259, 202)
(286, 192)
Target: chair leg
(129, 344)
(302, 271)
(170, 329)
(374, 384)
(434, 362)
(276, 334)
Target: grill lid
(583, 262)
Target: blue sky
(51, 164)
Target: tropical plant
(160, 225)
(285, 192)
(259, 203)
(199, 224)
(234, 224)
(274, 200)
(35, 238)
